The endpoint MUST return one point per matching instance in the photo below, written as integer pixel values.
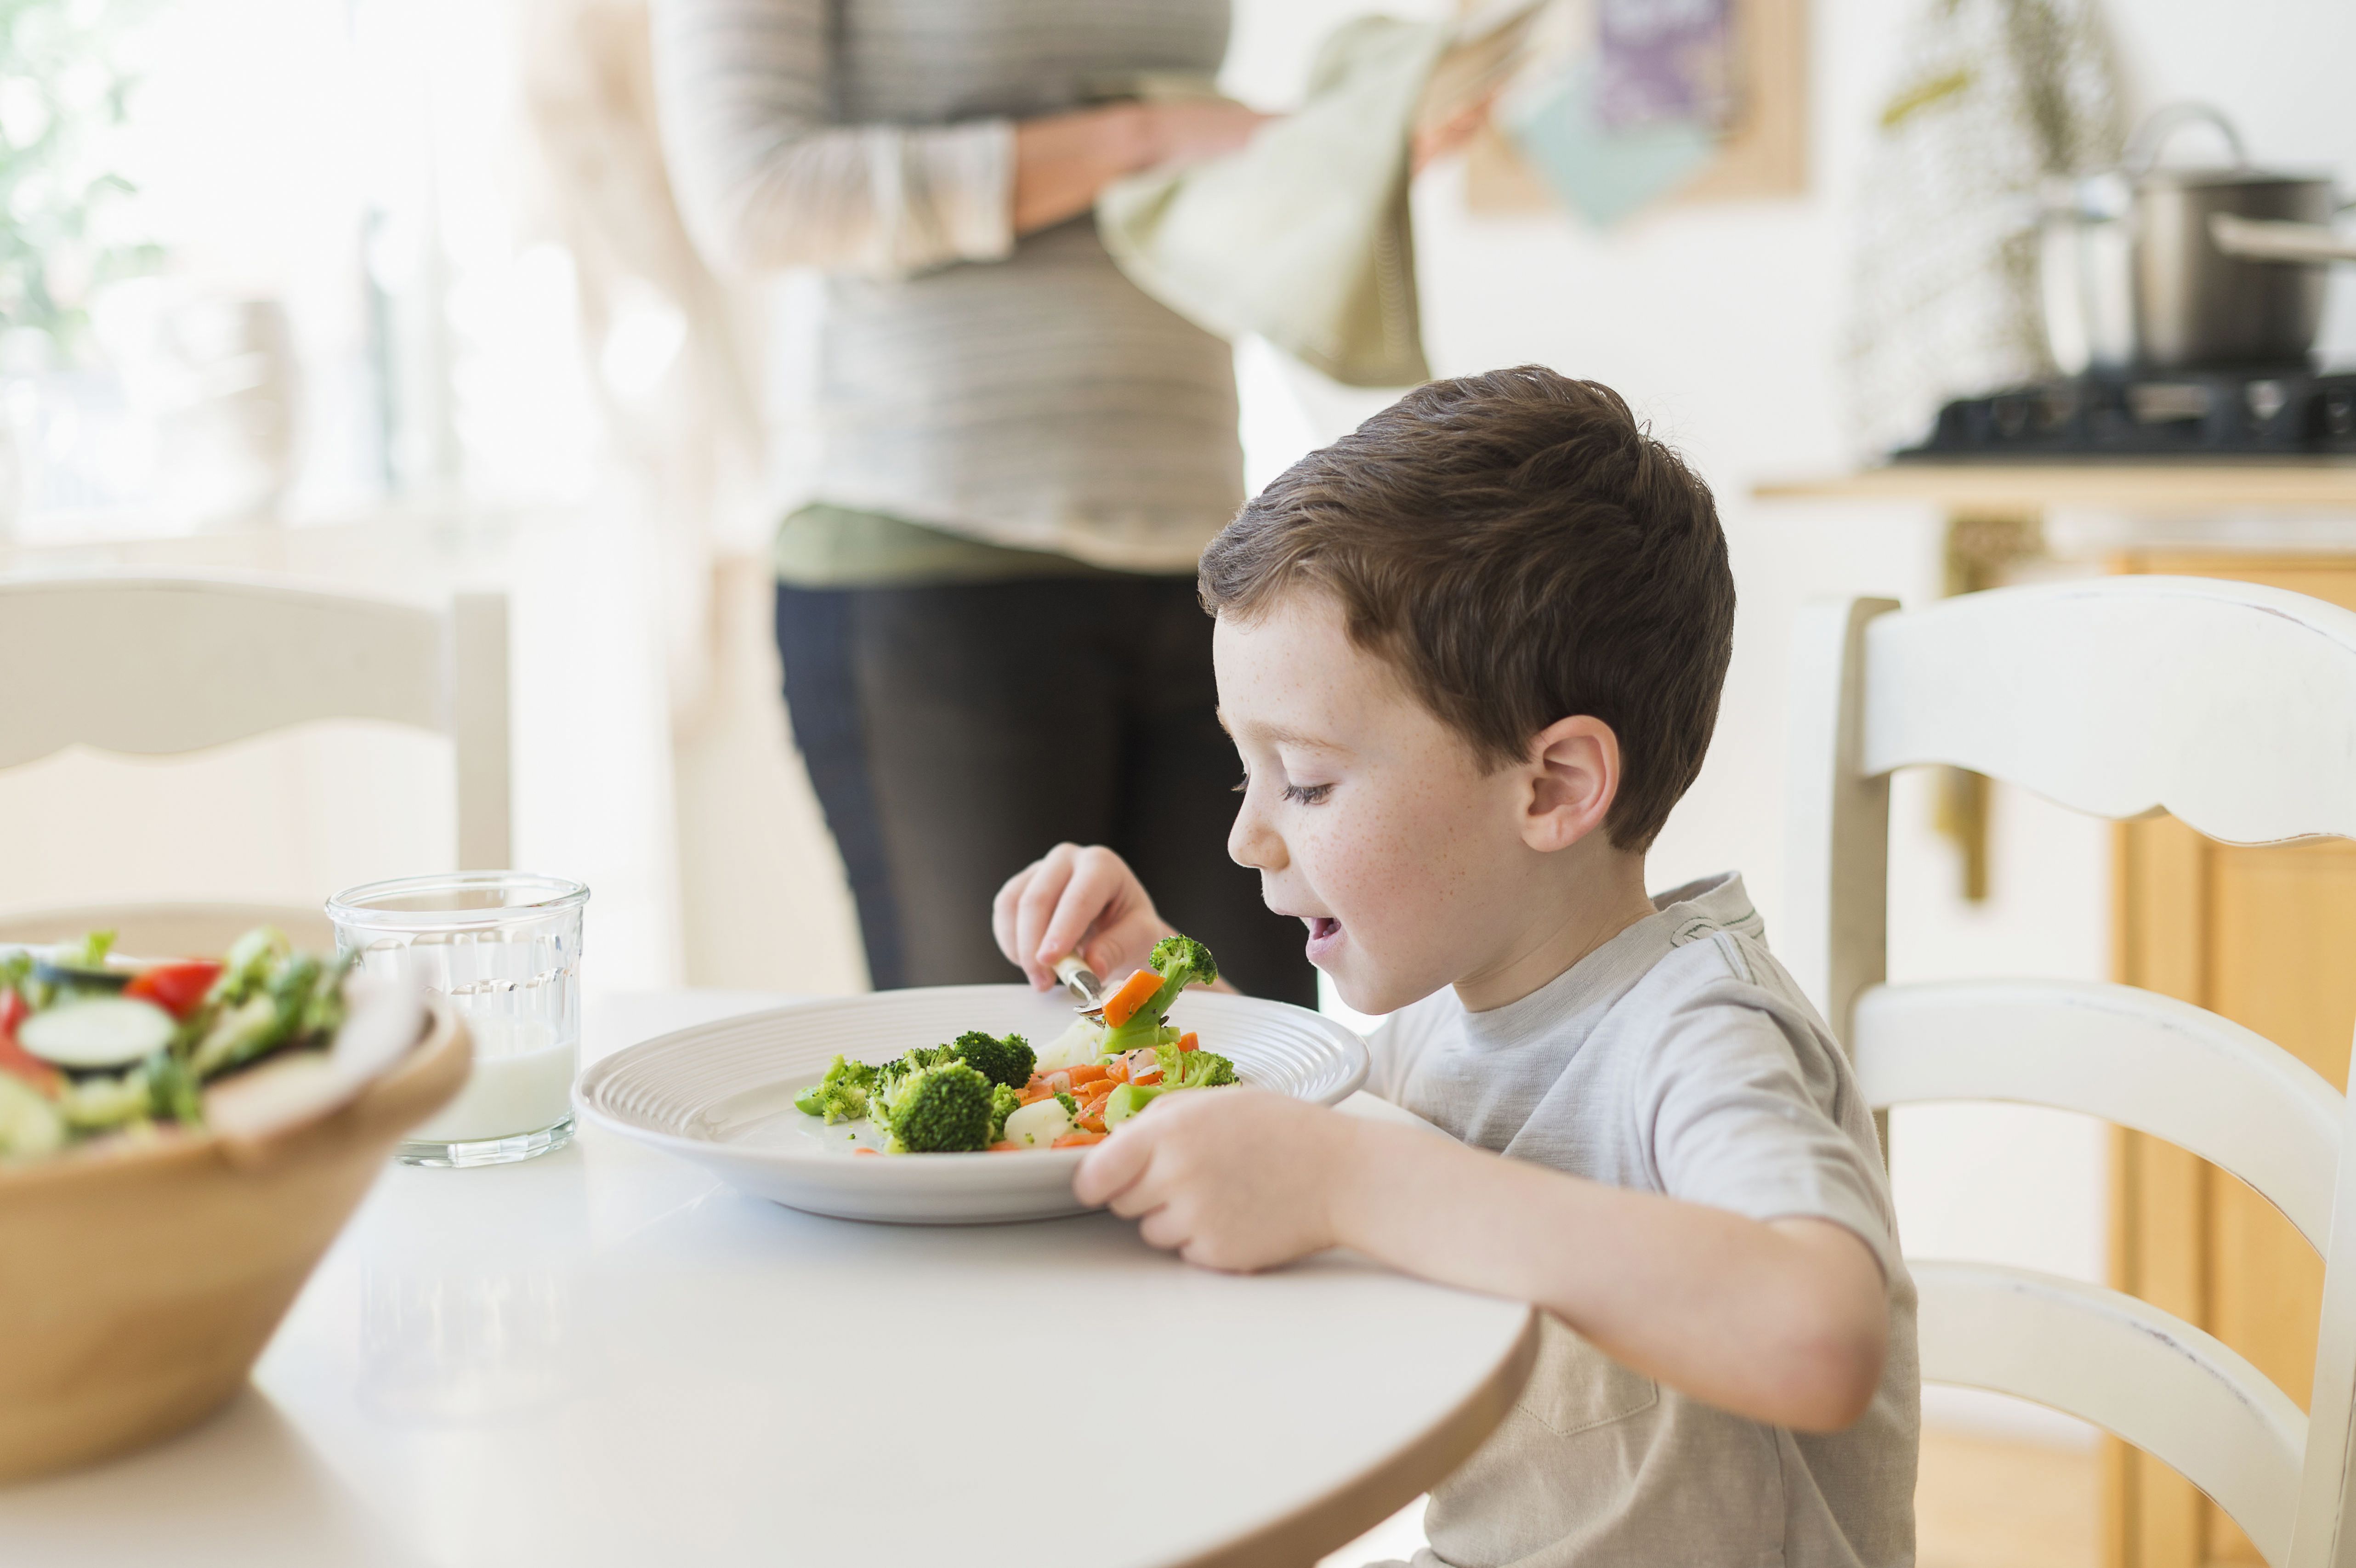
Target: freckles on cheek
(1407, 851)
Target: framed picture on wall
(1650, 101)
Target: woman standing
(987, 616)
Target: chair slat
(2137, 1372)
(2231, 705)
(155, 666)
(2129, 1057)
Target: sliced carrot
(1187, 1042)
(866, 1151)
(1087, 1073)
(1116, 1069)
(1037, 1093)
(1134, 993)
(1075, 1140)
(1007, 1146)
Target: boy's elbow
(1839, 1367)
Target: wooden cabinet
(2266, 937)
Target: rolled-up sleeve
(765, 181)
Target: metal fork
(1082, 984)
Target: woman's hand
(1075, 900)
(1062, 161)
(1196, 129)
(1438, 139)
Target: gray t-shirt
(1679, 1058)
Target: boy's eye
(1308, 794)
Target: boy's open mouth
(1322, 930)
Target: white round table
(605, 1356)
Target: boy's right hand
(1075, 898)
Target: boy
(1471, 655)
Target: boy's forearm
(1784, 1321)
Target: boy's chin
(1371, 993)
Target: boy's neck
(1603, 898)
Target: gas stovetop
(2289, 413)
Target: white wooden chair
(157, 666)
(2234, 708)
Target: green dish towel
(1303, 237)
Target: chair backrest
(2234, 708)
(161, 665)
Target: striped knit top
(1018, 391)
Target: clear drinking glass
(505, 948)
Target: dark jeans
(953, 733)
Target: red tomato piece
(177, 987)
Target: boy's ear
(1574, 777)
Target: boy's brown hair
(1520, 550)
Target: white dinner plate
(721, 1094)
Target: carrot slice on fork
(1134, 993)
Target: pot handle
(2150, 138)
(2266, 240)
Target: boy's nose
(1251, 843)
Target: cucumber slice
(95, 1032)
(79, 976)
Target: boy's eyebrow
(1277, 734)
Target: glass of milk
(503, 948)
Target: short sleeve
(764, 181)
(1744, 1109)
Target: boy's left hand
(1230, 1179)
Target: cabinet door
(2261, 936)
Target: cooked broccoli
(1180, 1070)
(891, 1074)
(841, 1094)
(944, 1108)
(1003, 1102)
(1194, 1069)
(1008, 1061)
(1181, 961)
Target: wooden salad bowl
(138, 1284)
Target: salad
(994, 1092)
(92, 1048)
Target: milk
(522, 1082)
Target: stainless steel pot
(2172, 268)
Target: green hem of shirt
(824, 547)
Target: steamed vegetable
(1004, 1060)
(942, 1110)
(1175, 963)
(841, 1094)
(989, 1091)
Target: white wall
(1720, 324)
